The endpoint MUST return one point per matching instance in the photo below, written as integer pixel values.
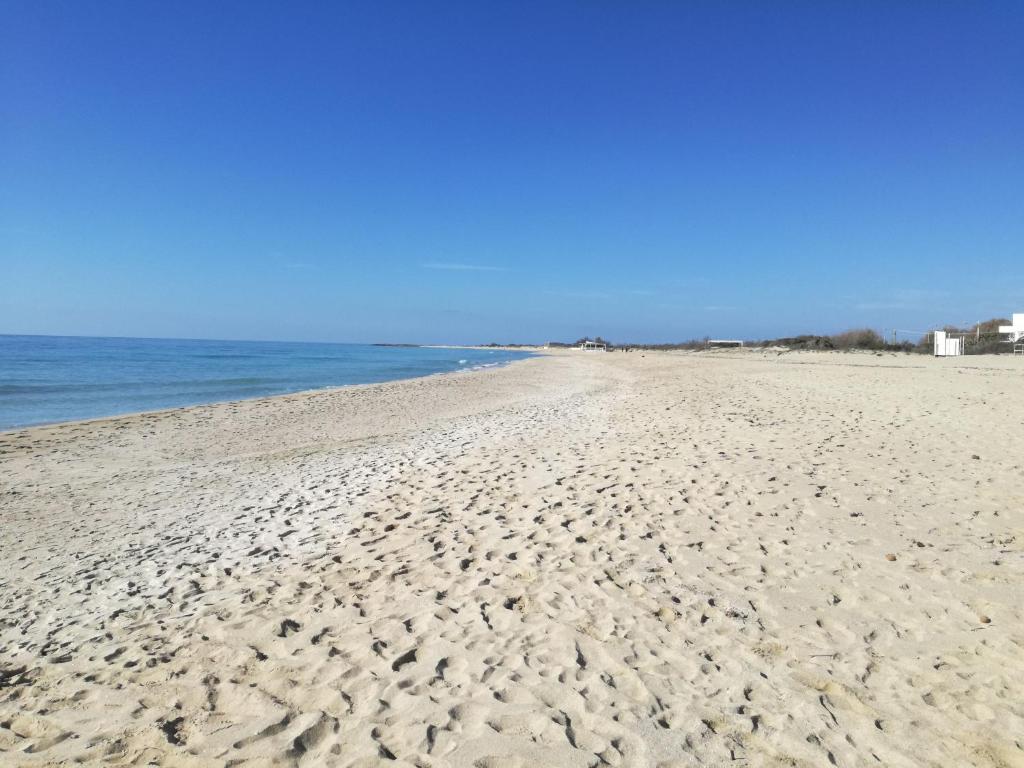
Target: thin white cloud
(458, 267)
(870, 306)
(579, 294)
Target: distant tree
(990, 327)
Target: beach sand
(582, 559)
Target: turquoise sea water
(46, 379)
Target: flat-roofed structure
(1016, 329)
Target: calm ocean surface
(46, 379)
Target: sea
(48, 379)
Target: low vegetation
(982, 338)
(857, 338)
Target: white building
(1016, 330)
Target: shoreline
(321, 390)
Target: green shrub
(859, 338)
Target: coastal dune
(580, 559)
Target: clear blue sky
(481, 171)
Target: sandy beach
(581, 559)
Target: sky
(507, 171)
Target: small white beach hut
(947, 345)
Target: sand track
(587, 560)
